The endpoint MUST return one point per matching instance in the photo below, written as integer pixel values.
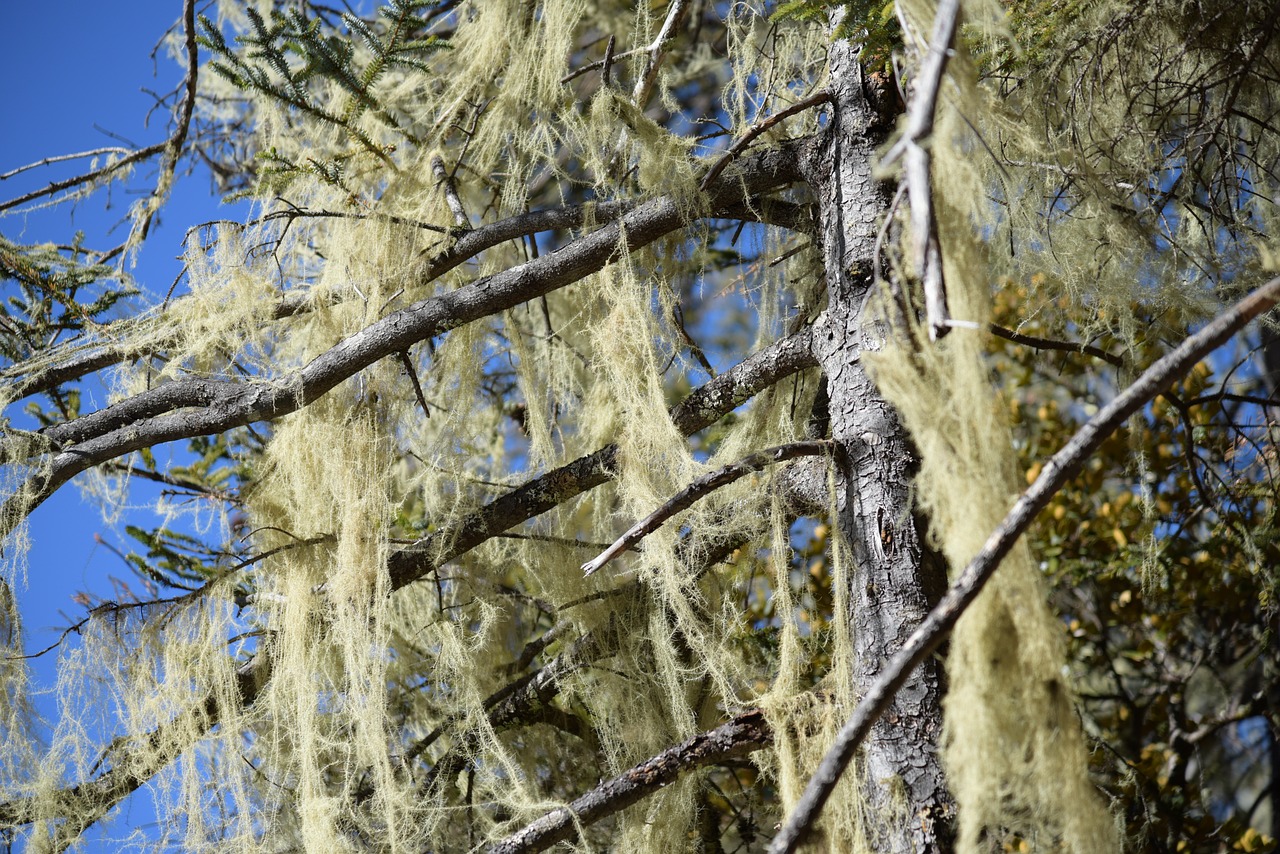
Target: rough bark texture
(893, 586)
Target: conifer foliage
(669, 426)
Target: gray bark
(894, 583)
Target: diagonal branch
(655, 52)
(85, 803)
(198, 407)
(85, 357)
(740, 145)
(1060, 468)
(703, 487)
(696, 412)
(742, 735)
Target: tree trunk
(908, 807)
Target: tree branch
(702, 487)
(741, 736)
(696, 412)
(84, 357)
(924, 226)
(196, 407)
(84, 804)
(1060, 468)
(740, 145)
(1050, 344)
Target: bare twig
(1060, 468)
(740, 145)
(409, 369)
(656, 51)
(85, 178)
(702, 487)
(924, 226)
(450, 193)
(171, 148)
(1051, 344)
(174, 145)
(606, 64)
(742, 735)
(62, 158)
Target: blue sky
(73, 74)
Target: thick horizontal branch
(1060, 468)
(696, 412)
(741, 736)
(197, 407)
(701, 488)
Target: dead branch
(924, 226)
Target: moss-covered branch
(740, 736)
(197, 407)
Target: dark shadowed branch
(1051, 344)
(742, 735)
(1060, 468)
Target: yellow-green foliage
(318, 756)
(366, 685)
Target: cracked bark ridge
(892, 586)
